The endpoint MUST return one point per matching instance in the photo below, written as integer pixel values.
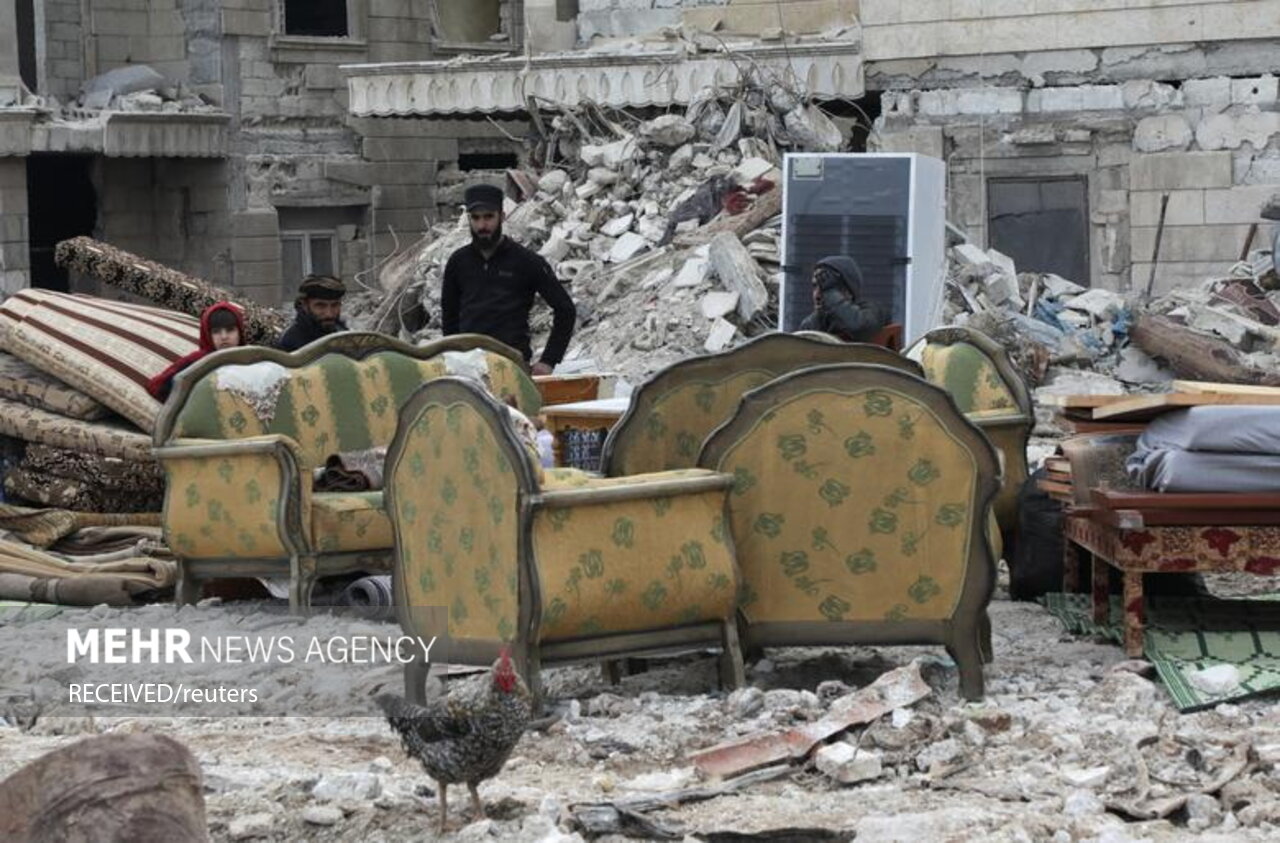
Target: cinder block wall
(15, 259)
(1212, 144)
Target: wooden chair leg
(966, 652)
(187, 592)
(984, 638)
(302, 579)
(732, 673)
(415, 680)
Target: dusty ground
(1067, 729)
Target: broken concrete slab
(669, 130)
(738, 273)
(1058, 287)
(847, 764)
(617, 226)
(1101, 304)
(721, 336)
(626, 247)
(719, 303)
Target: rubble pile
(666, 231)
(1100, 341)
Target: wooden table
(565, 389)
(580, 429)
(1158, 533)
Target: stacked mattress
(1210, 449)
(73, 375)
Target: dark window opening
(316, 17)
(487, 161)
(1043, 224)
(61, 203)
(26, 24)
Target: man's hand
(832, 299)
(541, 368)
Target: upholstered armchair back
(674, 411)
(333, 397)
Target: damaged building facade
(289, 137)
(225, 150)
(1062, 122)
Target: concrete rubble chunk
(738, 273)
(555, 249)
(1083, 803)
(125, 80)
(1098, 303)
(681, 159)
(553, 181)
(347, 787)
(1090, 777)
(1136, 366)
(847, 764)
(669, 130)
(718, 303)
(617, 226)
(1217, 680)
(1233, 330)
(250, 826)
(627, 246)
(1059, 287)
(751, 169)
(323, 815)
(721, 335)
(693, 273)
(939, 753)
(602, 176)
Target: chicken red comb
(504, 655)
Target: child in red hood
(221, 326)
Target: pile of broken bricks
(665, 231)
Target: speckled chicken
(467, 735)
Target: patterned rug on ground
(1206, 651)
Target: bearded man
(489, 286)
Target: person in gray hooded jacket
(837, 285)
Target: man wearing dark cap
(489, 285)
(318, 312)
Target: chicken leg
(444, 805)
(476, 805)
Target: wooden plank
(1142, 407)
(1080, 402)
(1109, 499)
(1081, 426)
(1202, 387)
(1055, 489)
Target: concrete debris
(619, 211)
(720, 337)
(719, 303)
(847, 764)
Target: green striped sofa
(244, 430)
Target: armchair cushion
(349, 521)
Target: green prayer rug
(1186, 636)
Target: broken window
(326, 18)
(459, 22)
(25, 14)
(309, 242)
(1043, 224)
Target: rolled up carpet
(372, 593)
(107, 473)
(79, 495)
(43, 527)
(24, 383)
(108, 438)
(164, 286)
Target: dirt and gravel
(1072, 742)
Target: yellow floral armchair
(564, 567)
(672, 413)
(245, 429)
(987, 388)
(860, 512)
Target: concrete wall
(931, 28)
(623, 18)
(1212, 144)
(14, 257)
(137, 32)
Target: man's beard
(486, 241)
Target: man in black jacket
(489, 285)
(318, 312)
(837, 284)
